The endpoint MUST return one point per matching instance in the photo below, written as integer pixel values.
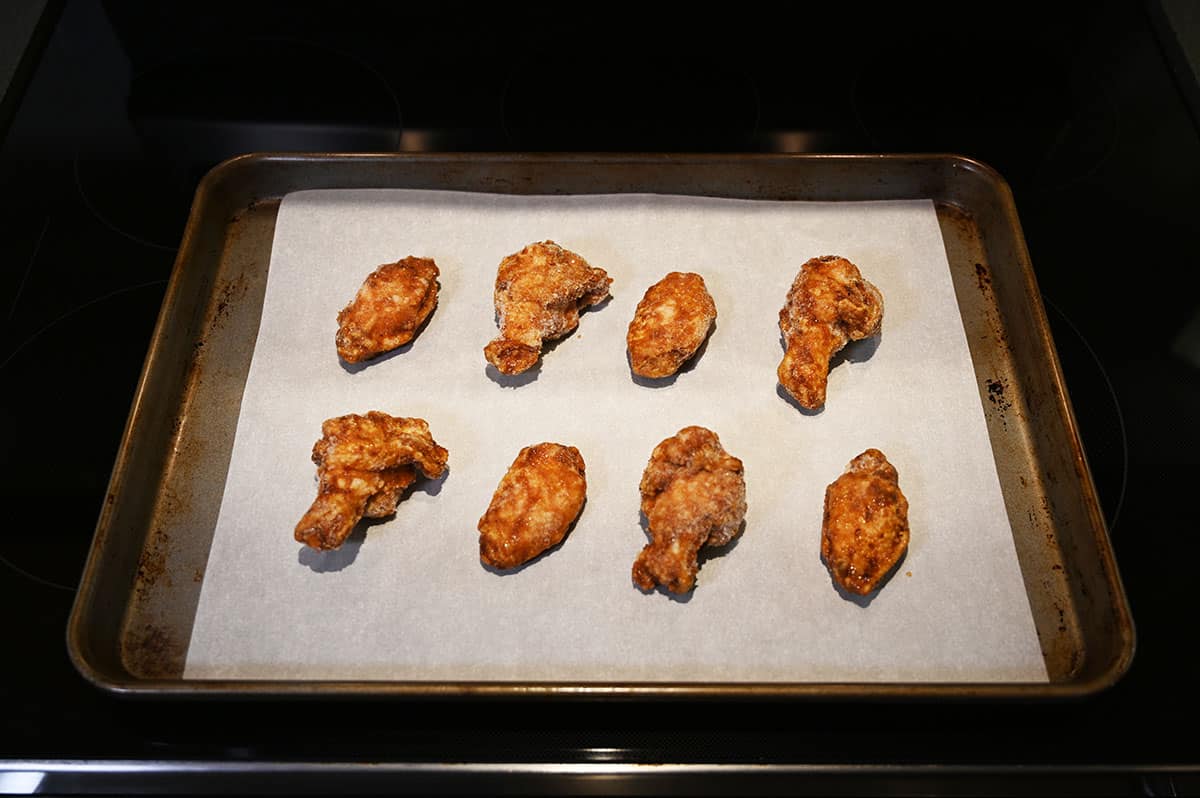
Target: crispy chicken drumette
(539, 293)
(670, 324)
(388, 309)
(693, 495)
(364, 464)
(535, 504)
(829, 304)
(865, 529)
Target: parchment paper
(407, 598)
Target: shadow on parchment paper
(548, 347)
(706, 553)
(428, 486)
(354, 368)
(865, 601)
(852, 352)
(688, 365)
(519, 568)
(335, 560)
(514, 380)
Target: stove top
(126, 105)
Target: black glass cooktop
(119, 108)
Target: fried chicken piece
(364, 465)
(388, 309)
(829, 304)
(693, 495)
(539, 293)
(865, 529)
(670, 323)
(535, 504)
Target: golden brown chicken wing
(364, 464)
(388, 309)
(670, 323)
(539, 293)
(829, 304)
(693, 495)
(865, 529)
(535, 504)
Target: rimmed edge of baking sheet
(130, 622)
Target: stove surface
(122, 106)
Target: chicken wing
(865, 529)
(539, 293)
(535, 504)
(693, 495)
(364, 464)
(670, 324)
(829, 304)
(388, 309)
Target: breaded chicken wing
(388, 309)
(539, 293)
(829, 304)
(693, 495)
(364, 465)
(669, 325)
(535, 504)
(865, 529)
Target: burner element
(1040, 123)
(114, 193)
(1097, 410)
(61, 431)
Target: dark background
(112, 112)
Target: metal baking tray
(132, 618)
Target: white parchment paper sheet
(407, 598)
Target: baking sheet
(407, 599)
